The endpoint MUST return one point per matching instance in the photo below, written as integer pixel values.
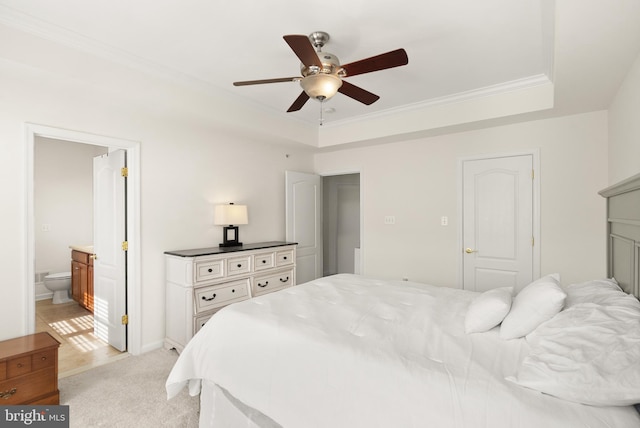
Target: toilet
(60, 284)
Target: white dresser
(202, 281)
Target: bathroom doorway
(63, 147)
(64, 219)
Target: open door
(110, 244)
(303, 200)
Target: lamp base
(230, 244)
(230, 237)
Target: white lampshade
(230, 214)
(321, 86)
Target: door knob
(469, 251)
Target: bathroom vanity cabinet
(82, 278)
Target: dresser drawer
(239, 265)
(24, 389)
(284, 258)
(275, 281)
(201, 320)
(3, 370)
(264, 261)
(43, 359)
(207, 270)
(215, 296)
(18, 366)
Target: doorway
(341, 226)
(34, 132)
(323, 216)
(65, 220)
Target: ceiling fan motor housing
(330, 65)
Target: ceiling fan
(322, 74)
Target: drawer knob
(284, 280)
(208, 299)
(19, 365)
(239, 265)
(44, 358)
(209, 270)
(7, 394)
(264, 261)
(263, 285)
(285, 257)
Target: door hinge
(125, 319)
(533, 241)
(533, 174)
(125, 246)
(124, 171)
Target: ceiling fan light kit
(321, 87)
(322, 74)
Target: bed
(351, 351)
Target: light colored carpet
(128, 393)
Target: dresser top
(223, 250)
(26, 344)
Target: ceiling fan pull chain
(321, 109)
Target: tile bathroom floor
(72, 326)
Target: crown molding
(488, 91)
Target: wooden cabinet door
(79, 282)
(76, 280)
(90, 288)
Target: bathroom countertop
(82, 248)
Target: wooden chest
(29, 370)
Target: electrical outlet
(444, 220)
(389, 219)
(46, 228)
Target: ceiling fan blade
(260, 82)
(358, 93)
(379, 62)
(299, 102)
(302, 47)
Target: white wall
(189, 162)
(417, 182)
(624, 128)
(63, 200)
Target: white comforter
(346, 351)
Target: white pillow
(487, 310)
(588, 353)
(535, 304)
(518, 288)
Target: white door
(303, 200)
(497, 198)
(109, 266)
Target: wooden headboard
(623, 230)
